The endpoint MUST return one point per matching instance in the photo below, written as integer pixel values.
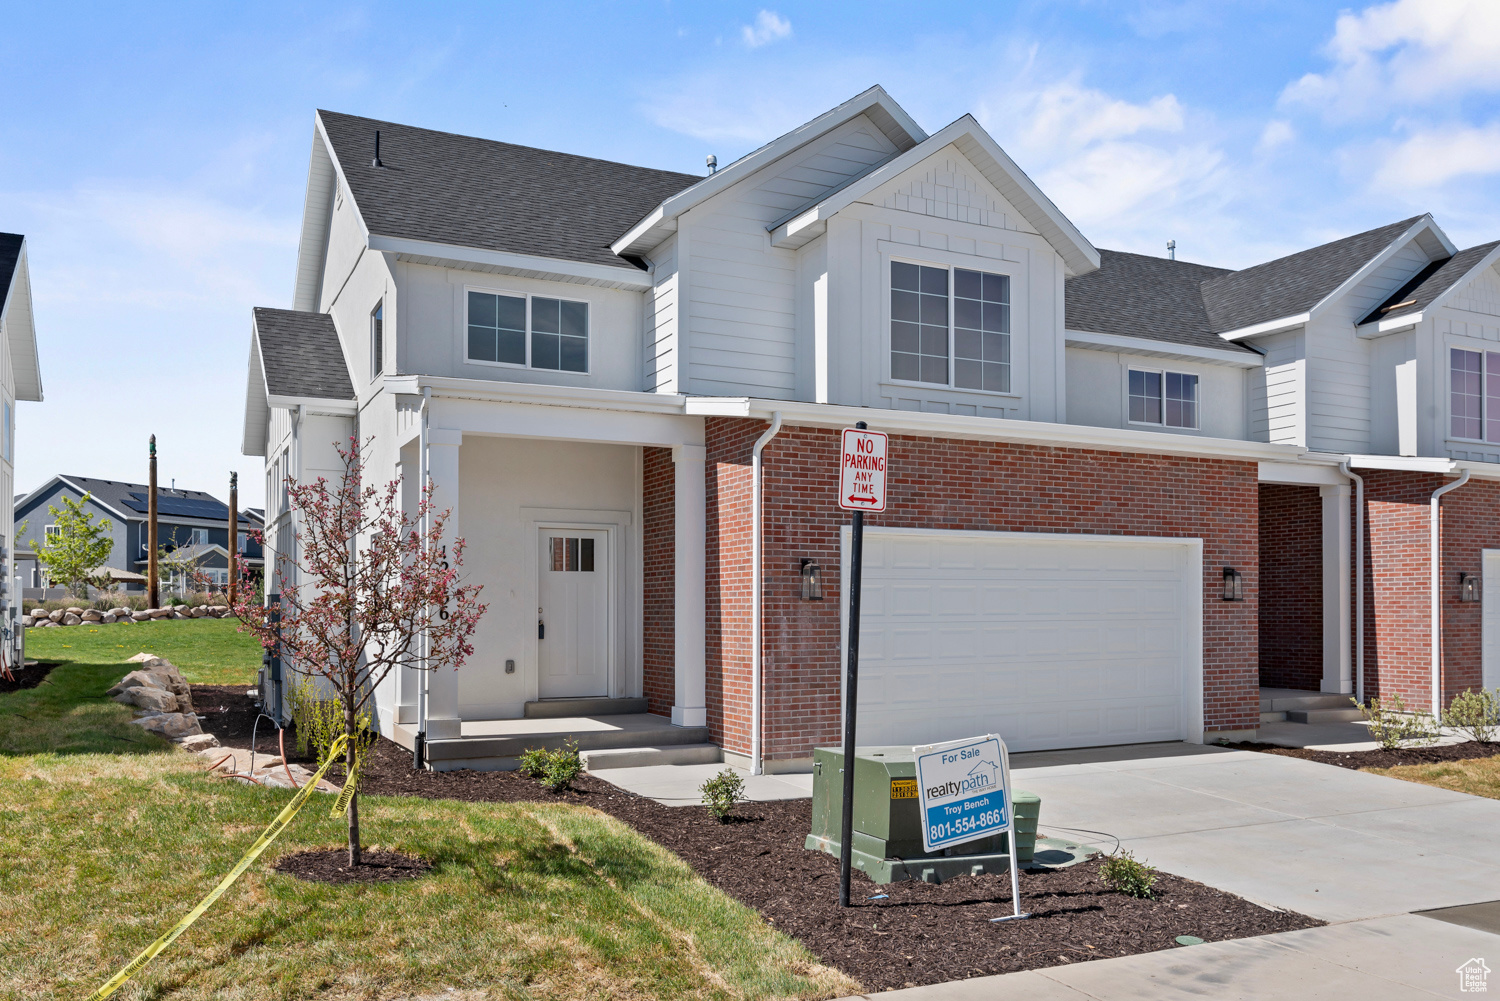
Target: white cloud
(1067, 115)
(1402, 53)
(769, 27)
(1433, 157)
(1275, 135)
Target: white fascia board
(650, 231)
(1315, 469)
(1352, 282)
(18, 322)
(1145, 346)
(529, 265)
(997, 167)
(317, 219)
(257, 423)
(536, 394)
(1403, 463)
(991, 429)
(95, 500)
(1269, 327)
(40, 491)
(1478, 470)
(1380, 328)
(314, 404)
(1487, 261)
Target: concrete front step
(636, 757)
(1276, 700)
(496, 744)
(1350, 715)
(1273, 717)
(558, 708)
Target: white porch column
(1337, 594)
(443, 718)
(691, 526)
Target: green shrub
(723, 791)
(534, 761)
(1393, 725)
(317, 723)
(1124, 873)
(1475, 714)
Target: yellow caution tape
(261, 844)
(341, 806)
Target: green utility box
(888, 824)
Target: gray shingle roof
(492, 195)
(1292, 284)
(1429, 283)
(126, 499)
(10, 253)
(301, 354)
(1139, 296)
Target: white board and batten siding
(737, 294)
(1049, 640)
(1469, 319)
(1278, 390)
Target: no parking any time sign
(862, 471)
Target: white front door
(573, 616)
(1489, 655)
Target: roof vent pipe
(376, 162)
(1171, 247)
(713, 163)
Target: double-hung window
(1169, 399)
(377, 340)
(950, 327)
(1474, 396)
(528, 330)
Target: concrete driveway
(1359, 851)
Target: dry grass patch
(1476, 776)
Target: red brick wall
(1397, 598)
(1291, 587)
(658, 616)
(1470, 525)
(938, 483)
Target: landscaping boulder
(140, 616)
(159, 613)
(199, 612)
(92, 615)
(198, 742)
(170, 725)
(150, 698)
(70, 619)
(73, 610)
(56, 614)
(26, 622)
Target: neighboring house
(1120, 486)
(184, 518)
(20, 379)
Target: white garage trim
(1190, 638)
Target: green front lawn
(209, 651)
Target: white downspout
(422, 475)
(1437, 593)
(755, 596)
(1359, 579)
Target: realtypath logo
(1473, 977)
(982, 776)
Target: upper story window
(377, 340)
(200, 536)
(950, 327)
(1474, 397)
(53, 531)
(532, 331)
(1169, 399)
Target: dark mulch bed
(916, 934)
(30, 676)
(1380, 758)
(331, 865)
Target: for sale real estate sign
(862, 470)
(963, 787)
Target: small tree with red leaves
(369, 583)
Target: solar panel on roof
(182, 507)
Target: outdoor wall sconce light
(1468, 587)
(812, 580)
(1233, 585)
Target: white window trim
(50, 530)
(1483, 350)
(1162, 424)
(983, 265)
(377, 358)
(588, 340)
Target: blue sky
(156, 155)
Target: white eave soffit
(1146, 347)
(508, 263)
(874, 103)
(970, 138)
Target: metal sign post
(861, 488)
(964, 794)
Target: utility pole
(152, 583)
(234, 534)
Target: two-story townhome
(192, 523)
(20, 379)
(1120, 486)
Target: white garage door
(1048, 640)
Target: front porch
(604, 740)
